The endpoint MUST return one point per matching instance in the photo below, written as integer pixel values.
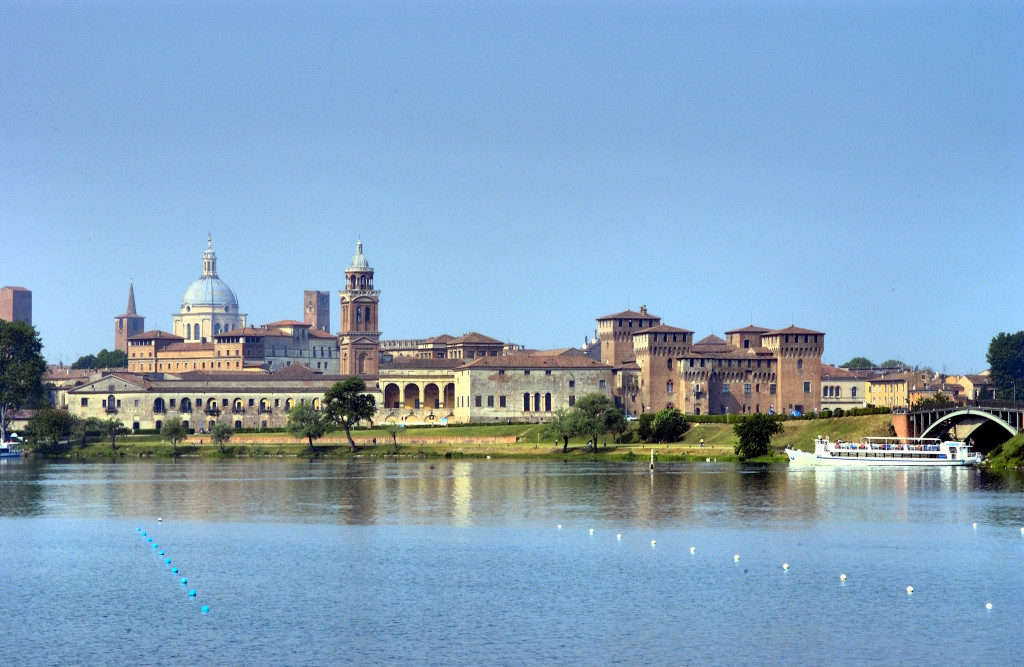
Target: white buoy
(842, 577)
(974, 525)
(736, 557)
(618, 536)
(159, 519)
(988, 605)
(785, 566)
(693, 549)
(654, 543)
(910, 589)
(559, 526)
(591, 531)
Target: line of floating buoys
(167, 561)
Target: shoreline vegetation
(500, 441)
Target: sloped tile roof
(534, 361)
(748, 329)
(476, 339)
(794, 330)
(661, 328)
(155, 334)
(626, 314)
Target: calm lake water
(464, 563)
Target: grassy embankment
(497, 441)
(1009, 455)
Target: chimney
(643, 309)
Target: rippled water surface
(465, 563)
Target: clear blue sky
(521, 168)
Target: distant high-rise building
(129, 324)
(317, 309)
(16, 304)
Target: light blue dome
(209, 291)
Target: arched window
(359, 316)
(216, 329)
(839, 392)
(366, 314)
(799, 364)
(853, 392)
(669, 364)
(188, 331)
(526, 402)
(547, 402)
(669, 387)
(362, 281)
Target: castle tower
(616, 334)
(798, 352)
(129, 324)
(359, 337)
(317, 309)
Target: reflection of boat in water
(886, 452)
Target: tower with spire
(359, 335)
(128, 324)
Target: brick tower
(359, 336)
(128, 324)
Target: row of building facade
(214, 365)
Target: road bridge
(987, 423)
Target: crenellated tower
(359, 335)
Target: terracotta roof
(534, 361)
(661, 328)
(748, 329)
(245, 331)
(793, 330)
(475, 338)
(443, 338)
(317, 333)
(979, 379)
(629, 314)
(288, 323)
(295, 372)
(837, 373)
(412, 363)
(189, 347)
(155, 334)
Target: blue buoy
(155, 545)
(137, 529)
(143, 533)
(192, 593)
(184, 581)
(174, 570)
(149, 539)
(206, 609)
(167, 561)
(161, 552)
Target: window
(501, 372)
(771, 388)
(807, 387)
(526, 372)
(669, 387)
(853, 392)
(572, 383)
(476, 401)
(746, 344)
(501, 401)
(572, 400)
(799, 364)
(725, 389)
(85, 402)
(490, 401)
(669, 364)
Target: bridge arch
(990, 430)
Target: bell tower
(359, 335)
(128, 324)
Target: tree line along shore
(521, 441)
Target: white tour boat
(886, 452)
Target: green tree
(220, 433)
(305, 422)
(111, 428)
(858, 362)
(560, 427)
(21, 370)
(645, 426)
(669, 425)
(893, 363)
(595, 415)
(392, 429)
(174, 431)
(346, 405)
(939, 400)
(1006, 364)
(103, 359)
(50, 430)
(755, 433)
